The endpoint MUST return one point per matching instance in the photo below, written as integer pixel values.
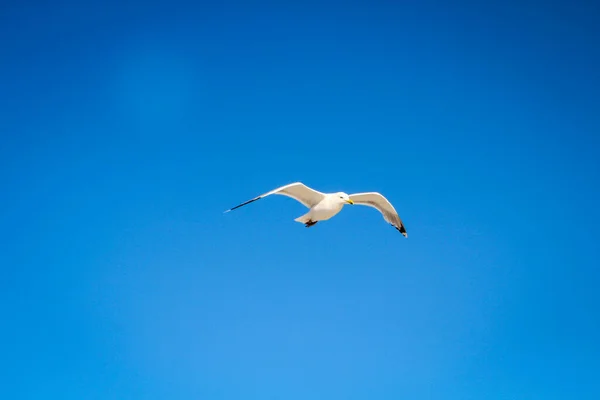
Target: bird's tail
(303, 219)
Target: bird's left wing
(297, 191)
(377, 201)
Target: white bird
(323, 206)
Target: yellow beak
(350, 202)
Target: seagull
(323, 206)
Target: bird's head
(343, 198)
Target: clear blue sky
(129, 127)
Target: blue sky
(129, 127)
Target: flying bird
(323, 206)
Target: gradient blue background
(129, 127)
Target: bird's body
(322, 211)
(323, 206)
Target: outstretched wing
(377, 201)
(297, 191)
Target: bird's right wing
(381, 204)
(297, 191)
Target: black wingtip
(401, 230)
(243, 204)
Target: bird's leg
(310, 223)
